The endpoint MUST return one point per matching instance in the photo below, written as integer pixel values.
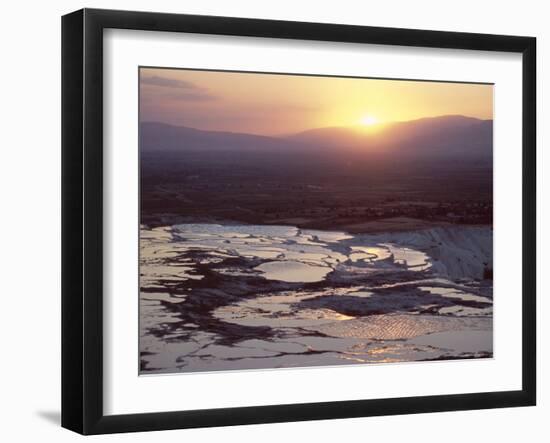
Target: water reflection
(293, 271)
(220, 297)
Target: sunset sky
(285, 104)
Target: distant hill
(451, 135)
(442, 137)
(159, 137)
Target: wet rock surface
(232, 297)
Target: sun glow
(369, 120)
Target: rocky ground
(232, 297)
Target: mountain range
(451, 136)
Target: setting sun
(369, 120)
(275, 104)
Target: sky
(277, 104)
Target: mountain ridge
(449, 135)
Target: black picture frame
(82, 218)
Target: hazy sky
(284, 104)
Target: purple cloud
(173, 89)
(155, 80)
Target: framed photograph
(269, 221)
